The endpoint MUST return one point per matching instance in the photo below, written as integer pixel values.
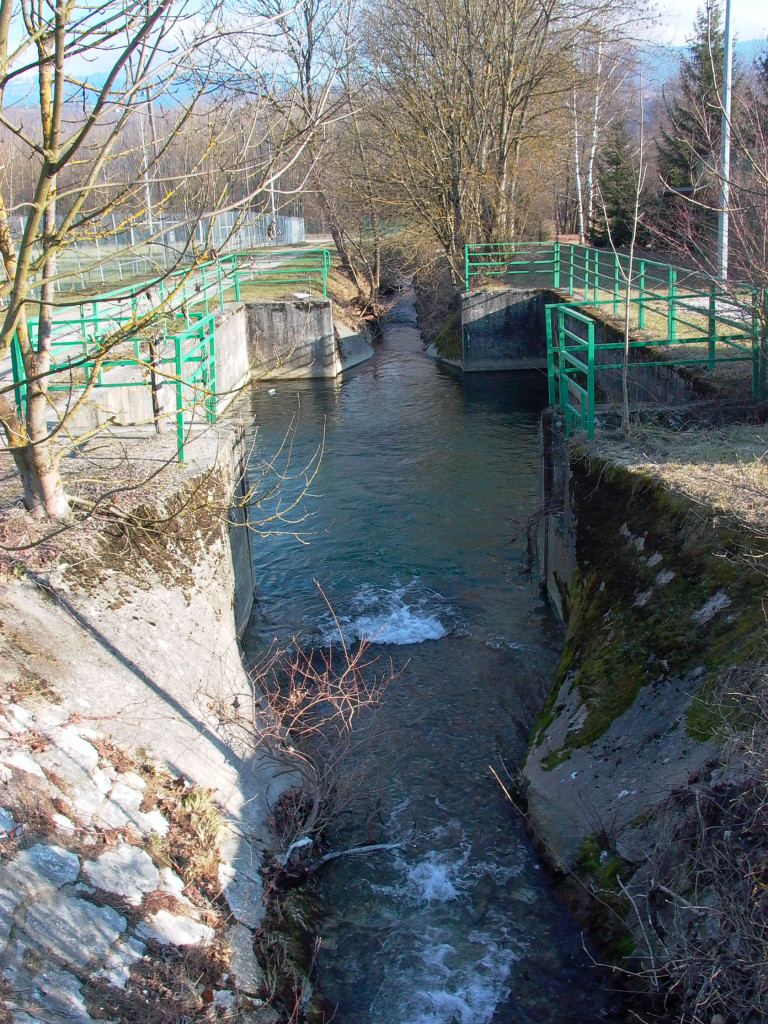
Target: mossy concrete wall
(556, 526)
(656, 606)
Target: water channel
(413, 528)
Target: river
(413, 526)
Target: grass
(340, 290)
(722, 468)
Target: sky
(749, 19)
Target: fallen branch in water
(353, 851)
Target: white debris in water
(496, 643)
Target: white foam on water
(430, 880)
(441, 972)
(502, 874)
(444, 993)
(402, 614)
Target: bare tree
(637, 171)
(157, 131)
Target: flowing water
(413, 526)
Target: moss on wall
(652, 567)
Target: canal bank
(643, 776)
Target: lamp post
(725, 152)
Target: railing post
(596, 282)
(556, 265)
(586, 275)
(212, 404)
(550, 355)
(570, 273)
(615, 284)
(641, 298)
(236, 271)
(562, 369)
(466, 267)
(591, 379)
(19, 377)
(671, 312)
(221, 284)
(712, 327)
(205, 288)
(179, 400)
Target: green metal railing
(571, 366)
(185, 359)
(168, 325)
(207, 285)
(683, 316)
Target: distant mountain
(23, 90)
(660, 63)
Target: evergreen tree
(618, 183)
(689, 145)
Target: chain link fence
(112, 255)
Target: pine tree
(617, 178)
(689, 145)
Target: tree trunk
(577, 170)
(38, 469)
(593, 146)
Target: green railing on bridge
(185, 359)
(163, 328)
(571, 366)
(681, 316)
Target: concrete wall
(241, 535)
(292, 339)
(620, 778)
(262, 340)
(660, 385)
(503, 330)
(354, 346)
(142, 645)
(556, 527)
(233, 368)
